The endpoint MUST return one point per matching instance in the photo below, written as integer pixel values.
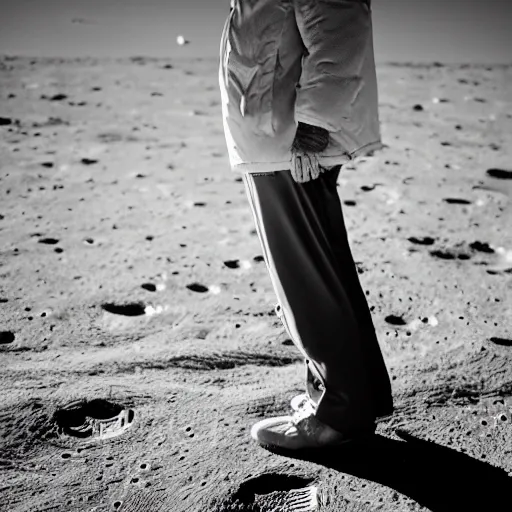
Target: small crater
(500, 174)
(481, 247)
(48, 241)
(197, 287)
(444, 255)
(504, 342)
(426, 240)
(349, 202)
(199, 203)
(369, 188)
(129, 309)
(150, 287)
(232, 263)
(418, 108)
(89, 241)
(395, 320)
(455, 200)
(6, 337)
(259, 258)
(55, 97)
(88, 161)
(117, 505)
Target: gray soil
(131, 272)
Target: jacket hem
(284, 165)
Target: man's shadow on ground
(436, 477)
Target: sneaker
(301, 430)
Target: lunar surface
(138, 337)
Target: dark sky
(404, 30)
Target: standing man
(299, 99)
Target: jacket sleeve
(336, 35)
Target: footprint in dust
(94, 419)
(271, 491)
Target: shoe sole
(314, 450)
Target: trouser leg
(305, 245)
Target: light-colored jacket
(285, 61)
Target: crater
(6, 337)
(88, 161)
(197, 287)
(500, 174)
(425, 240)
(48, 241)
(232, 263)
(481, 247)
(456, 200)
(129, 309)
(504, 342)
(395, 320)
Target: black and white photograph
(255, 256)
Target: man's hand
(310, 139)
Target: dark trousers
(320, 301)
